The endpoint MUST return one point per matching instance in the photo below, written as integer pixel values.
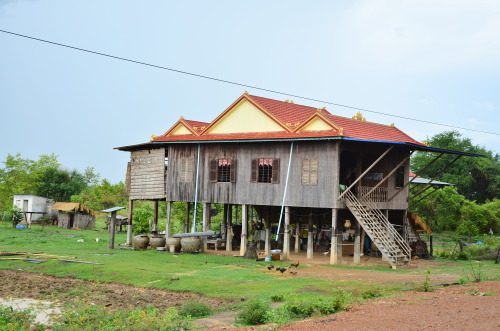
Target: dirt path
(467, 307)
(20, 284)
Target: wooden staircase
(390, 243)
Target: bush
(11, 319)
(370, 294)
(277, 298)
(195, 309)
(98, 318)
(254, 312)
(280, 316)
(307, 307)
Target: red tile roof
(292, 116)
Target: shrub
(98, 318)
(370, 294)
(280, 316)
(254, 312)
(277, 298)
(307, 307)
(11, 319)
(195, 309)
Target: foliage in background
(102, 195)
(23, 176)
(195, 309)
(142, 216)
(476, 178)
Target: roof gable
(244, 116)
(185, 127)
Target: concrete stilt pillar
(286, 239)
(334, 244)
(229, 230)
(244, 229)
(129, 225)
(310, 238)
(206, 223)
(357, 245)
(297, 238)
(169, 219)
(267, 245)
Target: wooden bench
(217, 243)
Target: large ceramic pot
(191, 244)
(157, 241)
(173, 245)
(140, 241)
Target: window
(187, 170)
(400, 177)
(265, 171)
(309, 171)
(222, 171)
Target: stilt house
(298, 167)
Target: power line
(242, 84)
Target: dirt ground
(466, 307)
(472, 306)
(19, 284)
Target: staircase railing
(378, 227)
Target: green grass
(221, 276)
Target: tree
(102, 195)
(60, 185)
(476, 178)
(23, 176)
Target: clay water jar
(173, 244)
(140, 241)
(157, 241)
(191, 244)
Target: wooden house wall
(147, 174)
(322, 195)
(245, 192)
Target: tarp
(74, 207)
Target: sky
(432, 60)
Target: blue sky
(433, 60)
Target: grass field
(224, 277)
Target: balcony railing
(378, 195)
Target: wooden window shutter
(183, 170)
(232, 172)
(189, 170)
(305, 171)
(254, 171)
(212, 171)
(313, 171)
(276, 171)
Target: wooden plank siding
(148, 180)
(243, 191)
(147, 174)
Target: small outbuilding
(74, 215)
(32, 207)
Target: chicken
(293, 273)
(296, 265)
(270, 267)
(282, 270)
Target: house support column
(334, 244)
(310, 238)
(297, 238)
(286, 239)
(386, 214)
(229, 229)
(186, 222)
(267, 244)
(155, 216)
(169, 218)
(206, 223)
(357, 245)
(244, 229)
(129, 224)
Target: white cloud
(487, 105)
(425, 35)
